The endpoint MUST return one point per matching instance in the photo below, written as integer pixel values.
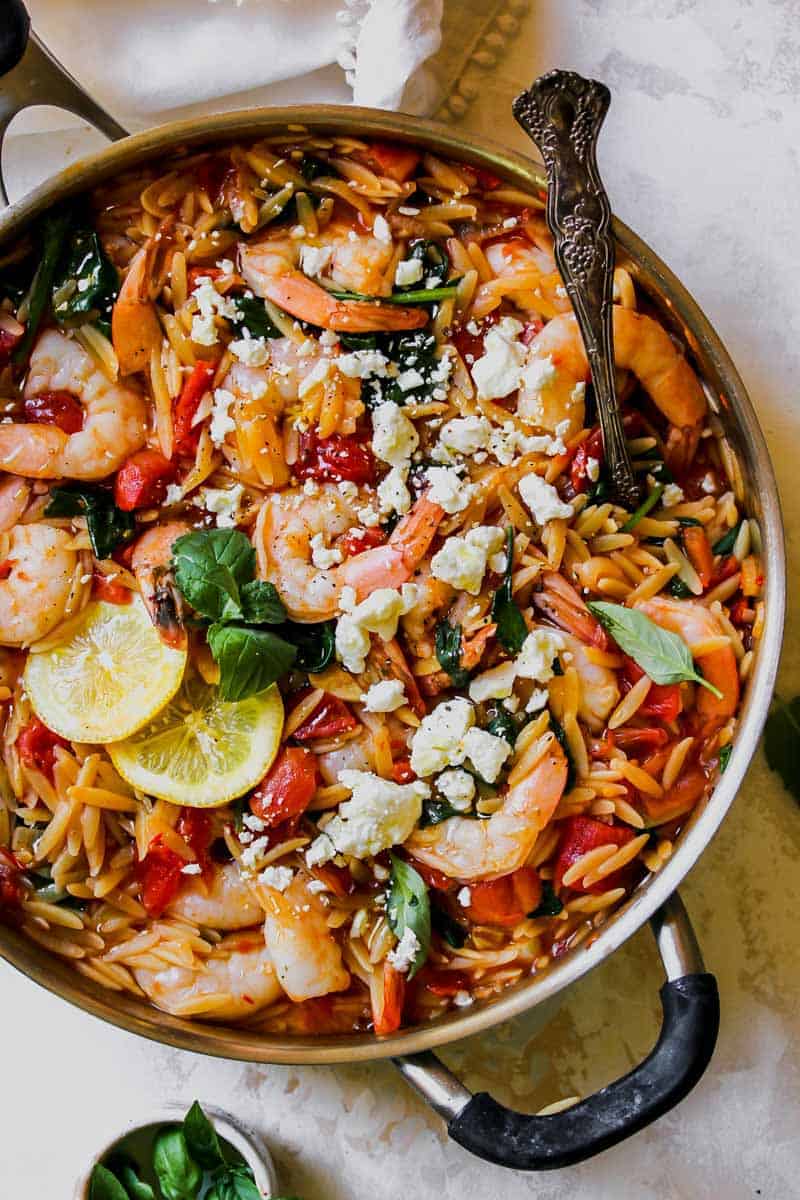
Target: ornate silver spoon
(562, 113)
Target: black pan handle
(690, 1004)
(30, 75)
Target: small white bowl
(242, 1137)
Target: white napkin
(151, 60)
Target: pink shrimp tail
(308, 301)
(392, 565)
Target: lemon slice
(200, 750)
(109, 676)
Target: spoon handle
(562, 112)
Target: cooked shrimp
(114, 418)
(34, 593)
(235, 980)
(463, 848)
(697, 625)
(306, 956)
(559, 601)
(418, 625)
(356, 754)
(218, 899)
(599, 688)
(14, 496)
(135, 328)
(284, 531)
(518, 258)
(270, 267)
(151, 565)
(641, 346)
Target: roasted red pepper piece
(401, 771)
(194, 826)
(287, 788)
(356, 541)
(580, 835)
(104, 588)
(387, 1013)
(12, 883)
(590, 447)
(185, 435)
(54, 408)
(663, 700)
(159, 875)
(470, 344)
(335, 459)
(679, 800)
(210, 174)
(393, 160)
(698, 551)
(636, 739)
(36, 745)
(142, 481)
(329, 718)
(505, 901)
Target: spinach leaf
(727, 541)
(179, 1176)
(86, 286)
(644, 508)
(410, 352)
(782, 742)
(234, 1183)
(261, 603)
(210, 566)
(252, 315)
(315, 644)
(662, 655)
(435, 264)
(201, 1139)
(416, 296)
(561, 738)
(407, 907)
(249, 659)
(451, 931)
(724, 756)
(677, 588)
(107, 524)
(511, 627)
(503, 725)
(359, 341)
(54, 231)
(105, 1186)
(436, 811)
(549, 905)
(447, 640)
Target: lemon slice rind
(108, 678)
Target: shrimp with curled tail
(290, 521)
(220, 898)
(463, 848)
(641, 346)
(150, 561)
(306, 956)
(34, 593)
(114, 418)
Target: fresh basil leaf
(724, 756)
(105, 1186)
(108, 525)
(644, 508)
(451, 931)
(315, 644)
(407, 907)
(662, 655)
(55, 227)
(511, 627)
(234, 1183)
(179, 1176)
(549, 905)
(447, 641)
(782, 742)
(435, 264)
(249, 659)
(436, 811)
(86, 286)
(201, 1139)
(261, 603)
(136, 1188)
(210, 566)
(252, 315)
(503, 725)
(727, 541)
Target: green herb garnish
(511, 627)
(727, 541)
(85, 287)
(55, 227)
(662, 655)
(416, 296)
(103, 1185)
(315, 644)
(724, 756)
(179, 1176)
(435, 811)
(447, 641)
(644, 508)
(549, 905)
(435, 264)
(252, 316)
(407, 907)
(677, 588)
(108, 525)
(503, 725)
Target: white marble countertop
(700, 157)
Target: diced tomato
(159, 875)
(401, 771)
(727, 567)
(590, 447)
(195, 274)
(142, 481)
(287, 788)
(185, 435)
(335, 459)
(680, 799)
(741, 613)
(36, 745)
(470, 344)
(194, 826)
(104, 588)
(393, 160)
(663, 700)
(329, 718)
(580, 835)
(505, 901)
(337, 879)
(435, 879)
(55, 408)
(12, 882)
(356, 541)
(210, 174)
(387, 1012)
(443, 983)
(8, 341)
(635, 738)
(698, 551)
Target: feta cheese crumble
(321, 556)
(393, 494)
(408, 271)
(386, 696)
(486, 752)
(278, 878)
(379, 814)
(405, 952)
(314, 259)
(464, 897)
(457, 787)
(538, 653)
(498, 371)
(495, 684)
(542, 500)
(381, 230)
(379, 613)
(224, 503)
(394, 438)
(439, 741)
(448, 489)
(222, 423)
(462, 561)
